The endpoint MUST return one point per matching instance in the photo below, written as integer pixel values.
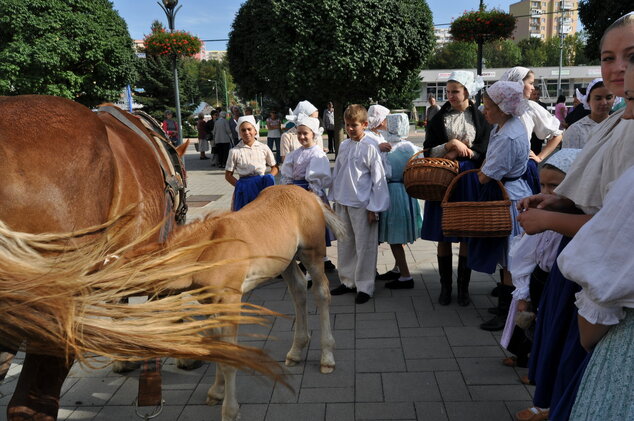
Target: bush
(176, 43)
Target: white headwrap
(515, 74)
(563, 159)
(248, 119)
(303, 107)
(376, 114)
(471, 82)
(584, 98)
(509, 96)
(397, 127)
(311, 122)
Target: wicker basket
(476, 219)
(428, 178)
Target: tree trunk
(339, 123)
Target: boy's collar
(360, 139)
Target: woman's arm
(538, 220)
(483, 177)
(590, 333)
(549, 148)
(230, 178)
(274, 170)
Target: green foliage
(327, 49)
(533, 52)
(573, 46)
(484, 25)
(77, 49)
(176, 43)
(502, 53)
(596, 16)
(455, 55)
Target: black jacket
(437, 135)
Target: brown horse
(65, 169)
(264, 239)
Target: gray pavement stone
(294, 412)
(368, 387)
(452, 386)
(432, 364)
(486, 371)
(468, 336)
(478, 411)
(410, 387)
(496, 393)
(385, 411)
(430, 411)
(339, 411)
(387, 360)
(426, 347)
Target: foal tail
(333, 222)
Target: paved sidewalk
(400, 356)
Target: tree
(502, 53)
(533, 52)
(77, 49)
(596, 16)
(455, 55)
(572, 46)
(327, 49)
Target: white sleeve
(286, 172)
(546, 124)
(522, 263)
(596, 313)
(379, 194)
(318, 175)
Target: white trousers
(357, 253)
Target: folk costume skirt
(402, 222)
(330, 236)
(248, 188)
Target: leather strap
(150, 383)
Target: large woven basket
(476, 219)
(428, 178)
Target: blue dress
(248, 188)
(402, 222)
(506, 160)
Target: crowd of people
(566, 291)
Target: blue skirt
(465, 191)
(556, 354)
(330, 236)
(402, 222)
(531, 175)
(248, 188)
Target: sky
(211, 19)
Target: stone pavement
(400, 356)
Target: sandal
(532, 414)
(510, 361)
(526, 380)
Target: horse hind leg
(224, 387)
(297, 286)
(321, 291)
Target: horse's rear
(66, 168)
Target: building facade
(442, 36)
(544, 19)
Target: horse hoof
(212, 401)
(291, 363)
(327, 369)
(188, 364)
(122, 367)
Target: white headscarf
(376, 114)
(311, 122)
(563, 159)
(584, 98)
(470, 81)
(247, 119)
(515, 74)
(303, 107)
(397, 127)
(509, 96)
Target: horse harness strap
(167, 157)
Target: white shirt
(289, 142)
(375, 139)
(576, 136)
(310, 164)
(539, 121)
(599, 257)
(246, 160)
(358, 178)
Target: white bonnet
(509, 96)
(584, 98)
(303, 107)
(376, 114)
(471, 82)
(515, 74)
(247, 119)
(311, 122)
(397, 127)
(563, 159)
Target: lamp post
(480, 42)
(170, 9)
(215, 89)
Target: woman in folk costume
(598, 100)
(377, 125)
(536, 120)
(458, 131)
(402, 222)
(249, 159)
(557, 358)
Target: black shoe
(444, 299)
(362, 298)
(493, 310)
(342, 289)
(388, 276)
(495, 324)
(495, 291)
(329, 266)
(409, 284)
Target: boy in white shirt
(360, 192)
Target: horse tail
(333, 222)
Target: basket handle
(451, 186)
(416, 154)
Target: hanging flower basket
(487, 25)
(177, 43)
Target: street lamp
(170, 9)
(215, 89)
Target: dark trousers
(222, 149)
(331, 140)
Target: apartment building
(544, 19)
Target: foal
(264, 239)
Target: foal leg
(297, 286)
(322, 298)
(224, 387)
